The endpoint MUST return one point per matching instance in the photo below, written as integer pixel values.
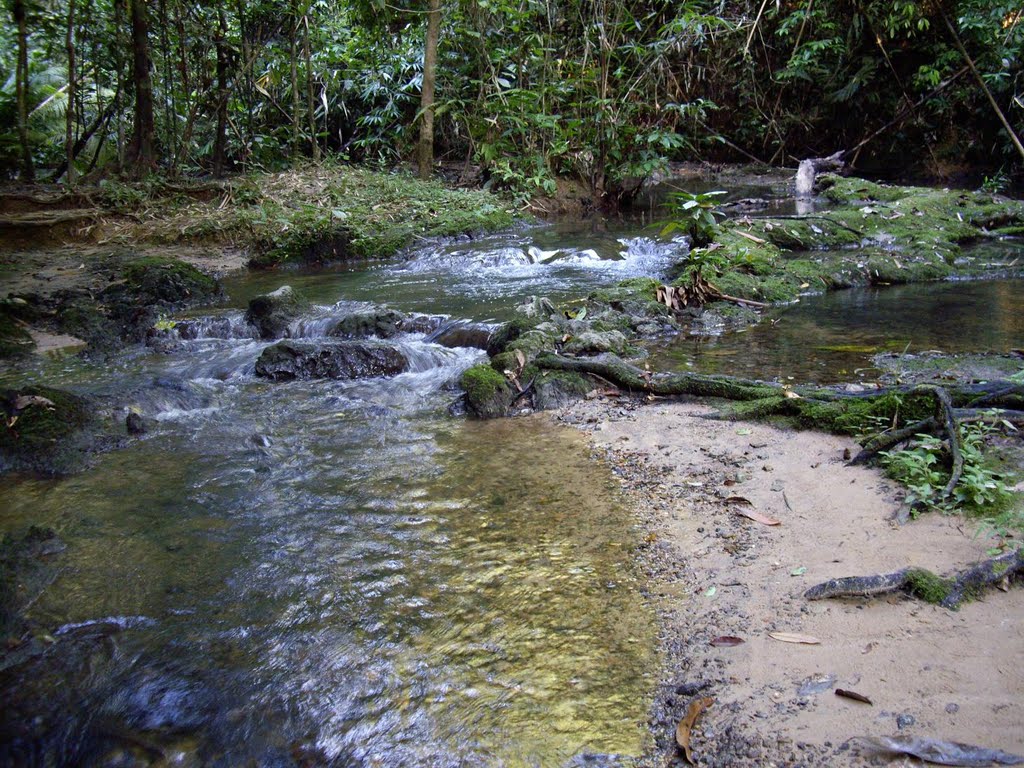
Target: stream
(343, 573)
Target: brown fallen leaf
(686, 724)
(757, 517)
(794, 637)
(727, 641)
(853, 695)
(737, 500)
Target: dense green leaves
(607, 91)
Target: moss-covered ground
(327, 212)
(875, 234)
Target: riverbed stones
(272, 313)
(290, 359)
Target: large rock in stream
(291, 359)
(272, 313)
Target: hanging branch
(981, 82)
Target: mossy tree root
(631, 378)
(949, 591)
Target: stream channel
(342, 572)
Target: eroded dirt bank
(928, 671)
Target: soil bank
(930, 672)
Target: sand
(929, 672)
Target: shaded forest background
(527, 91)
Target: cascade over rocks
(292, 359)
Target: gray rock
(462, 334)
(272, 313)
(379, 321)
(596, 343)
(289, 360)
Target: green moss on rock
(488, 393)
(41, 427)
(168, 281)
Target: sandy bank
(929, 672)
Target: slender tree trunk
(296, 101)
(221, 138)
(118, 56)
(426, 153)
(69, 122)
(310, 97)
(141, 153)
(28, 172)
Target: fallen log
(947, 591)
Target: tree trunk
(118, 57)
(296, 102)
(69, 122)
(221, 138)
(141, 157)
(426, 149)
(28, 172)
(311, 103)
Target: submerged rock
(272, 313)
(289, 360)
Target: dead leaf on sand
(794, 637)
(727, 641)
(686, 724)
(757, 517)
(942, 752)
(853, 695)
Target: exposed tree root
(949, 591)
(812, 406)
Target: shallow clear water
(341, 573)
(832, 337)
(337, 572)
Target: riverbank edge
(758, 718)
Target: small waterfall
(231, 325)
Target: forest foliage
(606, 91)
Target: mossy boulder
(168, 281)
(272, 313)
(489, 395)
(153, 285)
(45, 430)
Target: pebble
(904, 720)
(952, 708)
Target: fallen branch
(949, 591)
(883, 441)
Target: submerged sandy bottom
(929, 672)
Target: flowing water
(342, 573)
